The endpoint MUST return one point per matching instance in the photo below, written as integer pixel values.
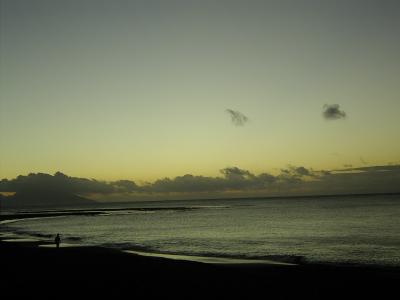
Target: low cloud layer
(333, 112)
(231, 179)
(35, 183)
(237, 118)
(233, 182)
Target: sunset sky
(141, 90)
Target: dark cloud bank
(60, 189)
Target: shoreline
(26, 264)
(82, 212)
(46, 241)
(211, 259)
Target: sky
(143, 90)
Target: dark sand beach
(36, 268)
(30, 270)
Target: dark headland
(29, 270)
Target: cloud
(233, 179)
(333, 112)
(60, 183)
(235, 173)
(124, 186)
(238, 119)
(295, 172)
(302, 171)
(375, 179)
(232, 182)
(374, 169)
(184, 184)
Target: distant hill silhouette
(42, 199)
(44, 190)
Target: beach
(315, 230)
(32, 266)
(30, 270)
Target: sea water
(360, 230)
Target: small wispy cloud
(333, 112)
(238, 119)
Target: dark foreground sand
(73, 272)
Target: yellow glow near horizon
(141, 93)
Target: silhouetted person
(57, 240)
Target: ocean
(350, 229)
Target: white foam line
(30, 218)
(9, 221)
(21, 240)
(62, 245)
(210, 259)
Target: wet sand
(212, 259)
(30, 270)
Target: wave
(134, 247)
(18, 233)
(13, 217)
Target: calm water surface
(344, 229)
